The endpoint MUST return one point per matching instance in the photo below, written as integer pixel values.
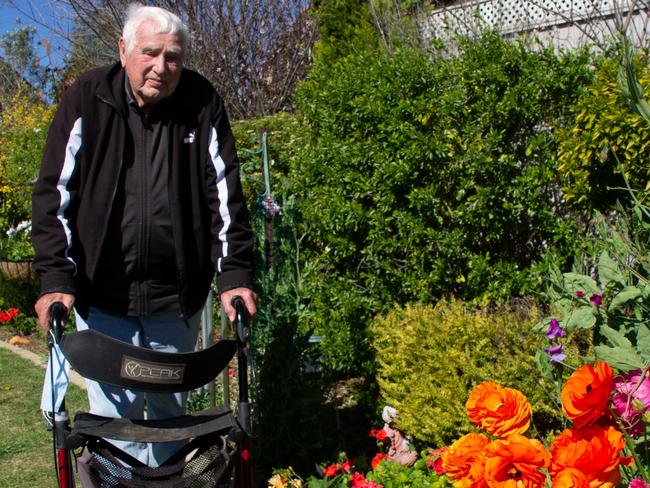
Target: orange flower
(570, 478)
(594, 450)
(499, 411)
(464, 461)
(586, 393)
(515, 462)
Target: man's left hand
(249, 297)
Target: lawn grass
(25, 444)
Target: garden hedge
(430, 176)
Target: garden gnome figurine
(399, 450)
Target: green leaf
(624, 296)
(543, 364)
(578, 282)
(580, 318)
(643, 342)
(620, 358)
(615, 337)
(609, 272)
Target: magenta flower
(596, 300)
(631, 400)
(580, 293)
(554, 330)
(556, 353)
(638, 483)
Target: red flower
(377, 459)
(435, 461)
(346, 466)
(331, 470)
(12, 312)
(379, 434)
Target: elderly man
(138, 203)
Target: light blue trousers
(163, 332)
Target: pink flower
(631, 400)
(580, 293)
(638, 483)
(360, 481)
(596, 300)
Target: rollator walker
(215, 450)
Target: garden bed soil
(34, 342)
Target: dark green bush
(429, 177)
(19, 295)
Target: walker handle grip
(240, 309)
(58, 313)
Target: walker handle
(58, 313)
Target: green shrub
(430, 177)
(19, 295)
(23, 129)
(606, 140)
(429, 358)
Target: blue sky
(47, 16)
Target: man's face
(154, 64)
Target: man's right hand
(43, 304)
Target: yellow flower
(277, 481)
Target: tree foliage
(429, 177)
(21, 69)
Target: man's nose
(159, 65)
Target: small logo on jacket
(191, 137)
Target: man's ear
(121, 47)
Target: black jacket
(73, 196)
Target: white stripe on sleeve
(222, 193)
(72, 147)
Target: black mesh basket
(206, 461)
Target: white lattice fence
(514, 16)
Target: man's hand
(43, 304)
(249, 297)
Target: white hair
(166, 23)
